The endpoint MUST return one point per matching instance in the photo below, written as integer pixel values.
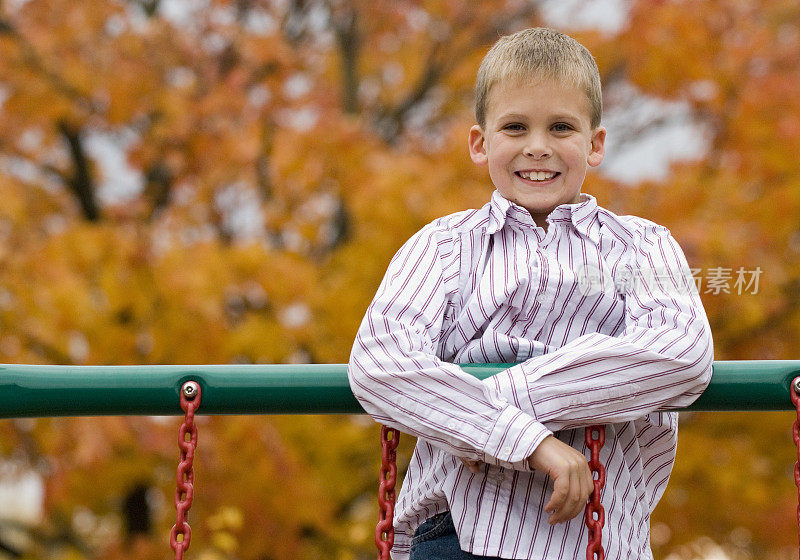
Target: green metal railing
(43, 391)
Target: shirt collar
(580, 213)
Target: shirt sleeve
(661, 361)
(397, 377)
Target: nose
(537, 147)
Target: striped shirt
(600, 314)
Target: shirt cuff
(515, 436)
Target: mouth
(537, 176)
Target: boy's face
(538, 143)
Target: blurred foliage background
(220, 181)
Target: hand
(473, 466)
(572, 479)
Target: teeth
(537, 175)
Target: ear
(477, 146)
(597, 148)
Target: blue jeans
(436, 539)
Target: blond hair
(540, 52)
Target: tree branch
(80, 182)
(158, 187)
(443, 58)
(349, 39)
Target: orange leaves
(735, 208)
(269, 209)
(743, 480)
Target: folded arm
(398, 379)
(662, 360)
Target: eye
(562, 127)
(514, 127)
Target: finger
(588, 479)
(556, 502)
(583, 487)
(473, 466)
(586, 483)
(577, 492)
(573, 499)
(572, 503)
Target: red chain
(795, 389)
(595, 513)
(384, 531)
(190, 401)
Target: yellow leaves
(737, 206)
(741, 474)
(70, 554)
(54, 75)
(234, 103)
(224, 525)
(227, 517)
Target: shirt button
(451, 425)
(506, 451)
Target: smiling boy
(537, 146)
(500, 467)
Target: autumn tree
(225, 181)
(258, 141)
(734, 208)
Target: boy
(599, 312)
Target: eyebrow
(523, 117)
(566, 116)
(505, 116)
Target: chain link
(190, 401)
(384, 531)
(794, 391)
(595, 513)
